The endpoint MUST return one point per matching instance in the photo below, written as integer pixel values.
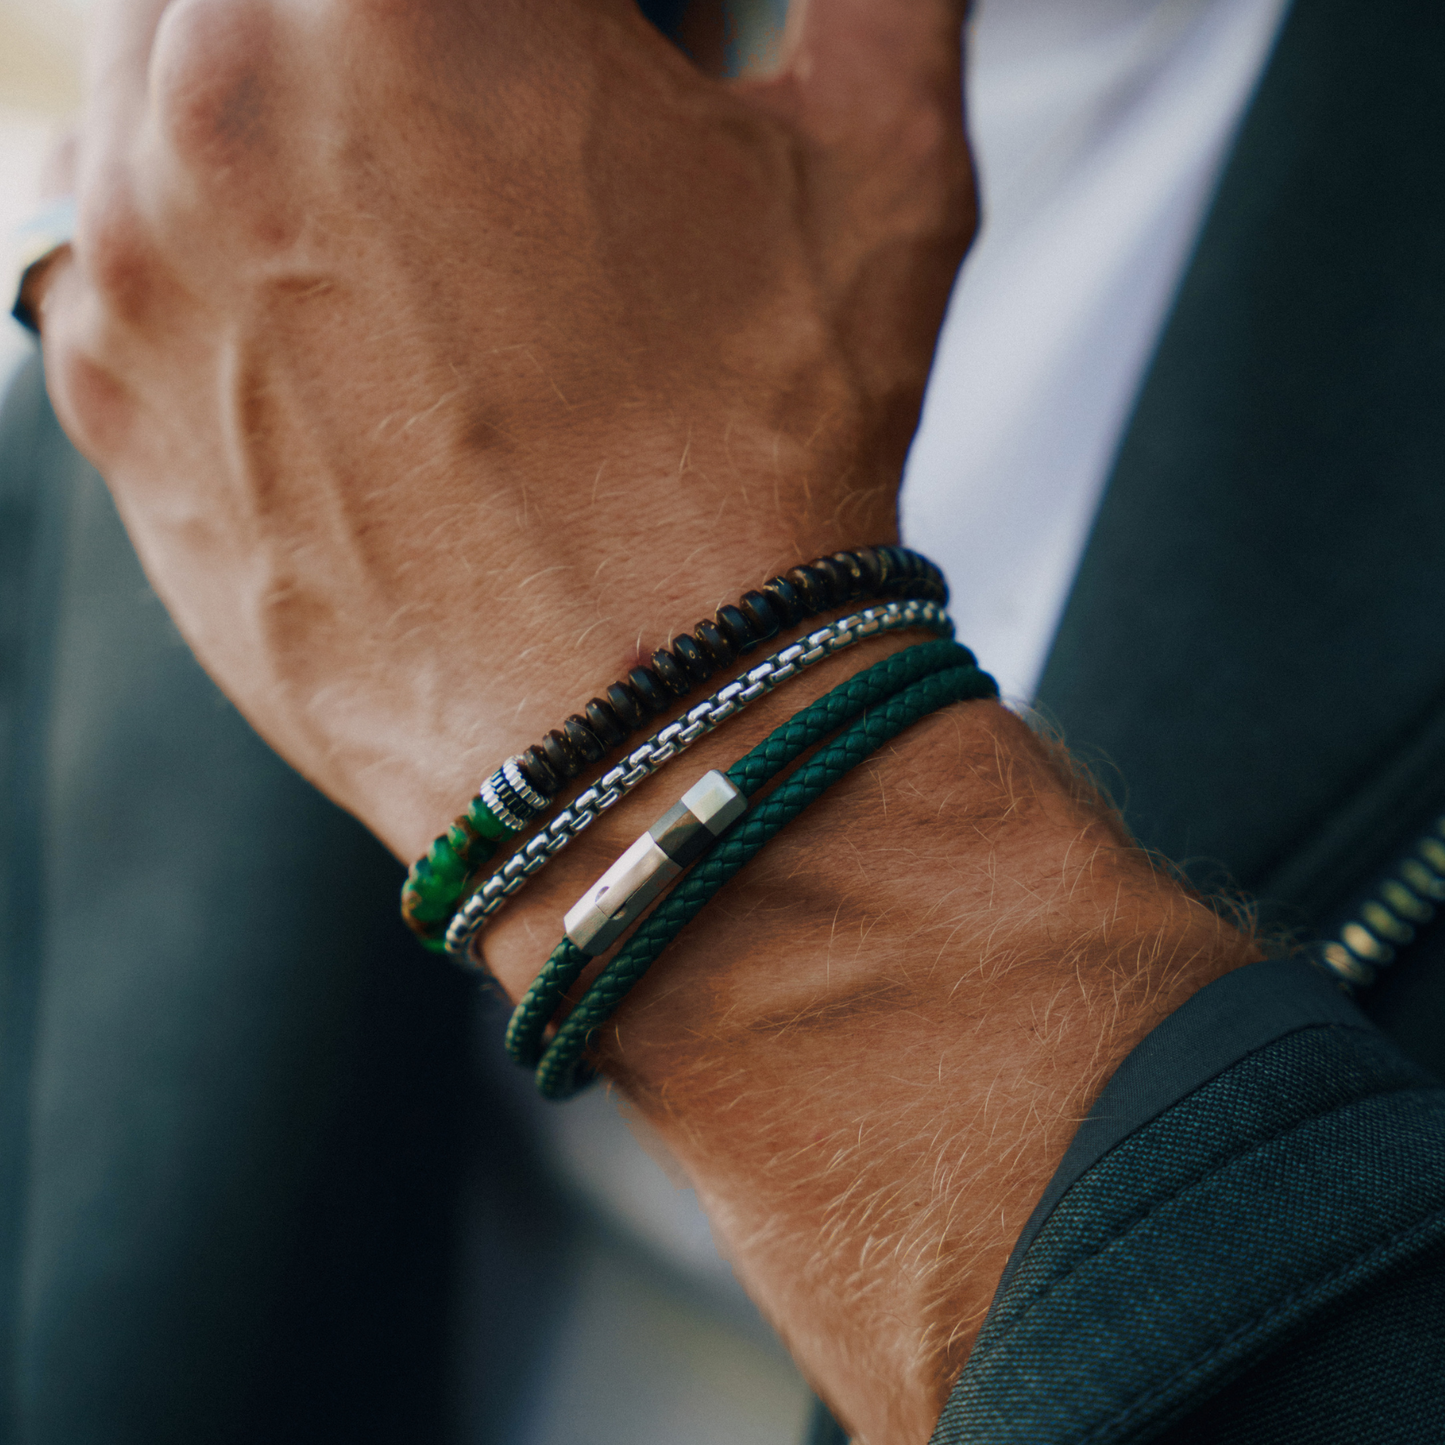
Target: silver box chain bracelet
(670, 741)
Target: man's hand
(441, 354)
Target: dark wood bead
(897, 569)
(577, 732)
(562, 755)
(625, 703)
(871, 563)
(852, 569)
(761, 614)
(715, 642)
(787, 603)
(604, 722)
(696, 663)
(736, 628)
(647, 687)
(538, 773)
(671, 672)
(836, 576)
(812, 587)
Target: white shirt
(1100, 127)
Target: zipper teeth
(1405, 898)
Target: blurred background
(40, 46)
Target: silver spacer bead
(510, 798)
(497, 808)
(512, 771)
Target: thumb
(878, 77)
(874, 89)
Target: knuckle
(90, 401)
(117, 253)
(215, 78)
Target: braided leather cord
(523, 1040)
(826, 715)
(561, 1071)
(843, 704)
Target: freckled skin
(446, 359)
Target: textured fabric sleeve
(1247, 1242)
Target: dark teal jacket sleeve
(1245, 1242)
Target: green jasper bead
(431, 905)
(419, 887)
(434, 911)
(467, 845)
(431, 887)
(430, 932)
(485, 823)
(421, 909)
(444, 864)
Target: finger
(123, 29)
(120, 37)
(876, 88)
(91, 165)
(166, 83)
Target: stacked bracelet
(672, 740)
(890, 697)
(808, 727)
(525, 785)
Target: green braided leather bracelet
(889, 696)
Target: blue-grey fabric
(1236, 1015)
(1377, 1374)
(823, 1429)
(31, 549)
(1256, 643)
(1253, 1212)
(238, 1117)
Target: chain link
(672, 740)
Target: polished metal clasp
(681, 836)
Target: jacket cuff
(1262, 1155)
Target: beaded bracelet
(561, 1071)
(525, 785)
(670, 741)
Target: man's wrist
(516, 943)
(876, 1042)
